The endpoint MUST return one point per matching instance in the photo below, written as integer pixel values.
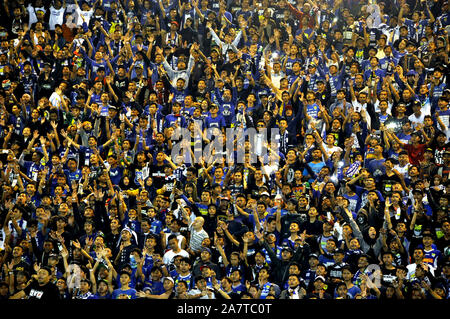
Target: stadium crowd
(348, 200)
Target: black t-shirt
(396, 123)
(158, 175)
(22, 266)
(121, 84)
(442, 243)
(47, 292)
(385, 183)
(389, 276)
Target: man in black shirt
(40, 287)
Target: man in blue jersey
(214, 119)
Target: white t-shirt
(86, 14)
(55, 100)
(32, 14)
(276, 78)
(377, 107)
(56, 17)
(403, 170)
(2, 239)
(331, 150)
(180, 238)
(196, 291)
(411, 268)
(416, 120)
(22, 224)
(168, 256)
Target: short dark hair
(172, 236)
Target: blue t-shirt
(131, 293)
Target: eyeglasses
(260, 125)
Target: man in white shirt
(417, 256)
(201, 290)
(229, 42)
(418, 115)
(32, 11)
(56, 99)
(84, 13)
(277, 74)
(329, 145)
(175, 250)
(56, 14)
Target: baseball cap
(319, 278)
(127, 229)
(228, 16)
(313, 256)
(335, 64)
(287, 248)
(205, 266)
(147, 289)
(206, 249)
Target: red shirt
(415, 153)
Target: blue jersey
(218, 122)
(227, 108)
(173, 119)
(32, 169)
(72, 176)
(156, 287)
(156, 227)
(432, 256)
(179, 95)
(189, 279)
(289, 63)
(130, 293)
(336, 82)
(416, 30)
(116, 174)
(313, 110)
